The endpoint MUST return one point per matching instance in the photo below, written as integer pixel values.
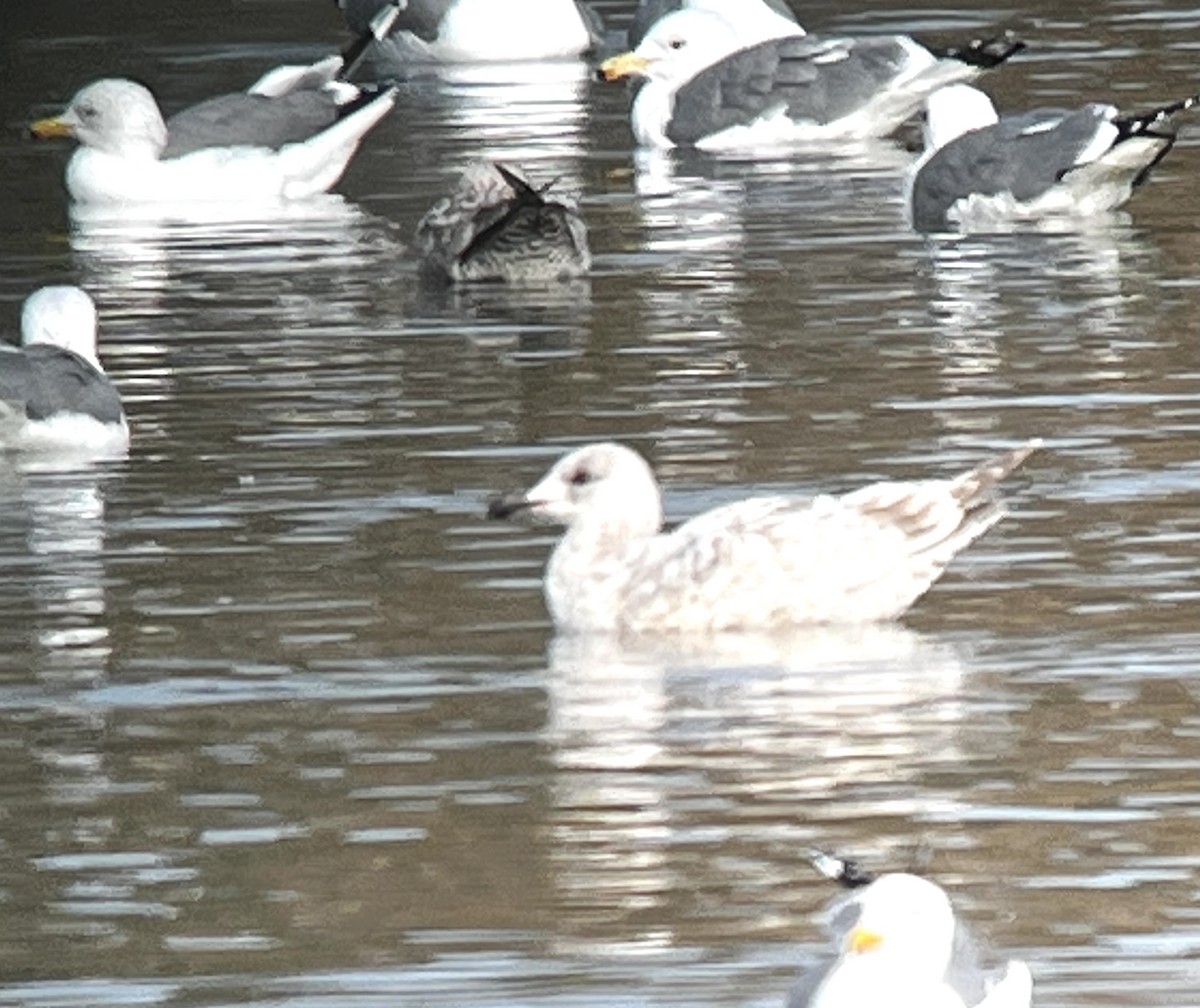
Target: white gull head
(954, 110)
(601, 486)
(61, 316)
(118, 117)
(682, 44)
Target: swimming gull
(981, 169)
(721, 81)
(897, 942)
(53, 391)
(128, 155)
(650, 11)
(479, 31)
(762, 563)
(496, 226)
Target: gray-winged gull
(650, 11)
(53, 391)
(897, 942)
(722, 81)
(288, 138)
(761, 563)
(981, 169)
(495, 225)
(479, 31)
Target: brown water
(284, 721)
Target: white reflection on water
(65, 578)
(843, 723)
(141, 259)
(531, 115)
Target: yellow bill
(47, 129)
(861, 940)
(627, 64)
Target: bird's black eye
(677, 43)
(580, 477)
(85, 111)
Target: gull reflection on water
(62, 585)
(795, 735)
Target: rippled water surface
(284, 721)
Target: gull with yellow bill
(722, 76)
(897, 942)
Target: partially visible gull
(897, 942)
(981, 169)
(758, 564)
(479, 31)
(650, 11)
(255, 146)
(495, 225)
(723, 81)
(53, 392)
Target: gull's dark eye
(677, 43)
(85, 111)
(580, 477)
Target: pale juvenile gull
(651, 11)
(128, 157)
(53, 391)
(722, 81)
(897, 942)
(478, 31)
(762, 563)
(496, 226)
(980, 169)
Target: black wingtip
(517, 183)
(846, 873)
(985, 53)
(1143, 123)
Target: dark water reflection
(284, 722)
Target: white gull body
(897, 942)
(761, 563)
(54, 394)
(124, 159)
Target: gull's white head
(677, 47)
(605, 484)
(115, 116)
(63, 317)
(954, 110)
(904, 927)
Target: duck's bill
(628, 64)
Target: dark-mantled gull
(238, 148)
(650, 11)
(722, 81)
(53, 390)
(761, 563)
(497, 226)
(897, 942)
(980, 169)
(479, 31)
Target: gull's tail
(313, 166)
(974, 489)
